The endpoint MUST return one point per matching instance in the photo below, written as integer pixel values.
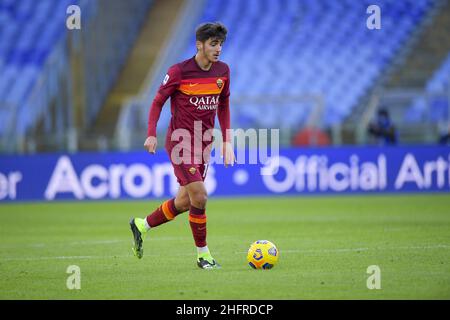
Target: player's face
(212, 48)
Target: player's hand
(150, 144)
(228, 154)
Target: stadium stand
(316, 47)
(35, 58)
(288, 59)
(30, 31)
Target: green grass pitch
(326, 245)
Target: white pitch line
(320, 251)
(83, 243)
(439, 246)
(443, 246)
(58, 258)
(86, 257)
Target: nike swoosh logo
(192, 84)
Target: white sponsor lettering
(87, 177)
(64, 180)
(305, 173)
(96, 181)
(160, 172)
(410, 172)
(273, 184)
(313, 173)
(205, 102)
(132, 175)
(8, 184)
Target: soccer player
(198, 88)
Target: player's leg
(167, 211)
(197, 220)
(182, 201)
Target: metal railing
(131, 133)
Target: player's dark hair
(215, 30)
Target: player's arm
(223, 114)
(170, 83)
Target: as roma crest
(219, 83)
(192, 170)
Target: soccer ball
(262, 254)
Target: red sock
(197, 220)
(165, 212)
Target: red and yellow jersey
(195, 95)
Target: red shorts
(187, 173)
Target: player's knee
(199, 199)
(183, 204)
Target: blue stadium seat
(9, 74)
(438, 87)
(307, 47)
(24, 47)
(30, 31)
